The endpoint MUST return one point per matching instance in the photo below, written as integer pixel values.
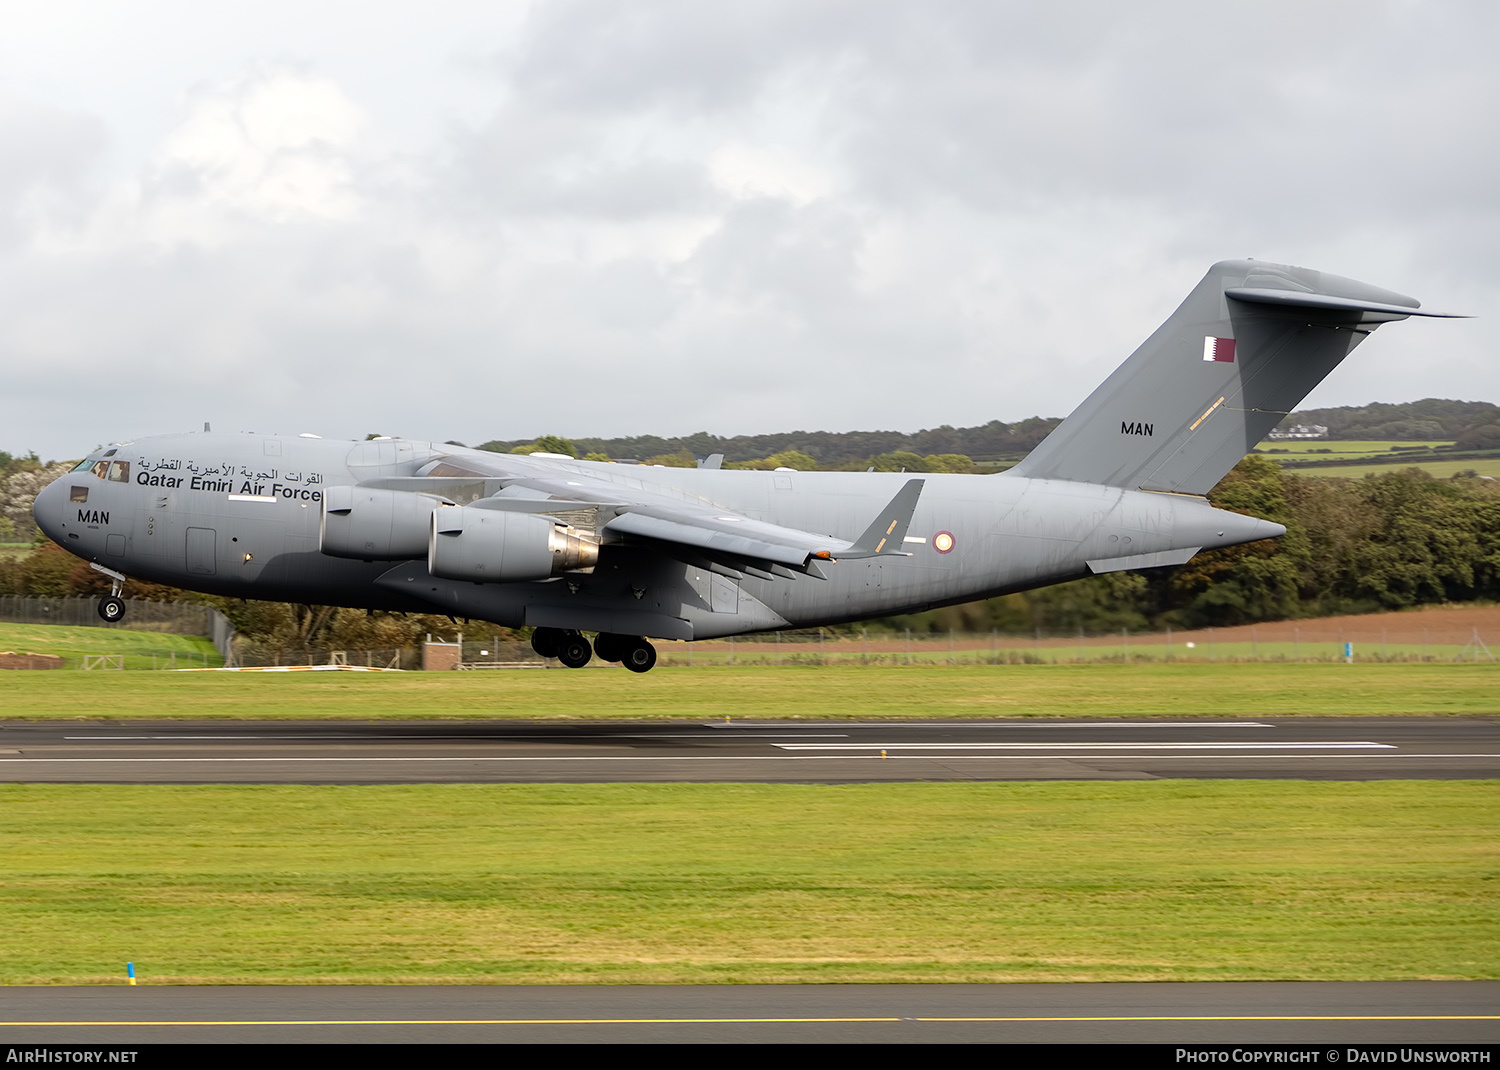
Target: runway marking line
(999, 724)
(798, 1021)
(448, 740)
(773, 758)
(1110, 745)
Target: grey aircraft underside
(633, 553)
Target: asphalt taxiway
(1315, 1013)
(328, 752)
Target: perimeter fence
(473, 650)
(1430, 636)
(141, 615)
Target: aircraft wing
(703, 528)
(726, 533)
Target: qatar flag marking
(1219, 349)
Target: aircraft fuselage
(239, 515)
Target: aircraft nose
(47, 510)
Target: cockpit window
(78, 494)
(100, 468)
(119, 471)
(83, 464)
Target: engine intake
(376, 525)
(499, 546)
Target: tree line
(827, 450)
(1470, 424)
(1388, 541)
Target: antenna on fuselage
(205, 426)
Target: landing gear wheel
(640, 656)
(112, 609)
(608, 647)
(575, 651)
(547, 641)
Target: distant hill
(995, 441)
(1471, 424)
(1410, 421)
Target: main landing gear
(631, 651)
(573, 650)
(111, 606)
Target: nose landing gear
(111, 606)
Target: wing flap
(764, 542)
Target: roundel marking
(942, 542)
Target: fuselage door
(201, 551)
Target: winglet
(884, 537)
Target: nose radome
(47, 510)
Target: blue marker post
(130, 971)
(1349, 653)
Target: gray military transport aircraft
(632, 553)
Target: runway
(767, 752)
(1323, 1013)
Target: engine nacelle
(376, 525)
(500, 546)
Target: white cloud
(668, 216)
(747, 170)
(275, 144)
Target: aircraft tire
(575, 651)
(609, 647)
(112, 609)
(640, 657)
(547, 641)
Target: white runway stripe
(1113, 745)
(761, 758)
(997, 724)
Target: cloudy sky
(485, 220)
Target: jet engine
(376, 525)
(500, 546)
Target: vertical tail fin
(1241, 352)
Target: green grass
(1171, 880)
(142, 650)
(1019, 651)
(1300, 449)
(1439, 469)
(762, 692)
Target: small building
(1300, 431)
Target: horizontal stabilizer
(1296, 299)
